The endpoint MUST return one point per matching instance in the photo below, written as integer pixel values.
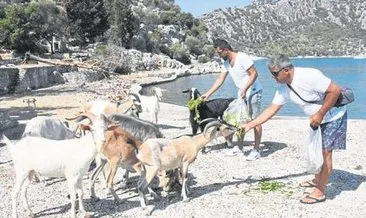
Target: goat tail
(5, 139)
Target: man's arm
(252, 72)
(267, 114)
(331, 96)
(219, 81)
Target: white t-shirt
(311, 85)
(239, 73)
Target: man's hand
(243, 93)
(316, 119)
(247, 126)
(205, 96)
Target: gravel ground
(221, 186)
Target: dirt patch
(66, 100)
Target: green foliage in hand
(234, 119)
(193, 104)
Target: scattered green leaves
(270, 186)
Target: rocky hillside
(295, 27)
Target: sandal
(307, 184)
(314, 200)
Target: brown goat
(119, 149)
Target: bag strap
(292, 89)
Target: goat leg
(94, 176)
(79, 190)
(20, 179)
(25, 199)
(72, 183)
(146, 177)
(229, 141)
(113, 166)
(125, 179)
(184, 170)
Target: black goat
(208, 109)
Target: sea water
(345, 71)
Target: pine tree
(87, 19)
(124, 23)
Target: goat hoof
(124, 185)
(185, 200)
(148, 212)
(88, 215)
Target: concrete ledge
(17, 79)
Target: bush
(203, 59)
(208, 50)
(101, 50)
(194, 45)
(179, 53)
(165, 50)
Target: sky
(199, 7)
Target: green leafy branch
(193, 105)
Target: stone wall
(16, 79)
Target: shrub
(180, 53)
(203, 59)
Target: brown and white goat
(120, 149)
(165, 154)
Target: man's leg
(257, 136)
(321, 179)
(254, 105)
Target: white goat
(48, 127)
(165, 154)
(56, 158)
(130, 106)
(149, 103)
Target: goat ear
(113, 125)
(185, 91)
(84, 127)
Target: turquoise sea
(345, 71)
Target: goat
(30, 101)
(140, 131)
(149, 103)
(208, 109)
(165, 154)
(48, 127)
(132, 106)
(56, 158)
(119, 149)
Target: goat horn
(207, 120)
(74, 118)
(136, 96)
(210, 124)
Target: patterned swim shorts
(334, 134)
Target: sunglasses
(275, 73)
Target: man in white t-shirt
(311, 85)
(241, 68)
